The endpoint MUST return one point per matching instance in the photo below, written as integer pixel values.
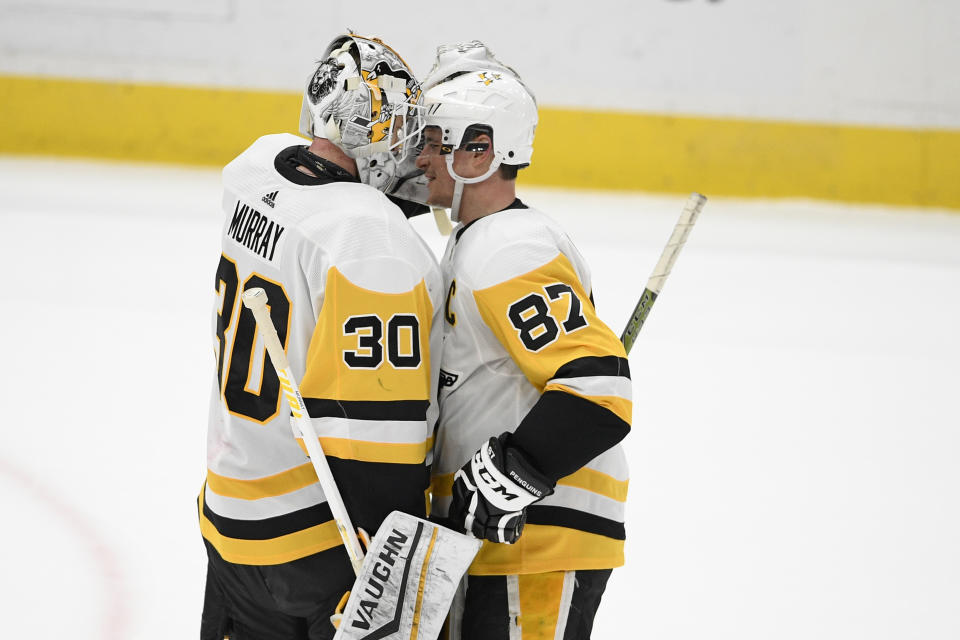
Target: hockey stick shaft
(655, 284)
(256, 300)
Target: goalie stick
(256, 300)
(408, 578)
(659, 276)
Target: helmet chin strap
(459, 181)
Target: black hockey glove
(493, 490)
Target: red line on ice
(115, 612)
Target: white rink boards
(793, 454)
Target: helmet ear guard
(469, 142)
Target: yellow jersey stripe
(597, 482)
(364, 451)
(540, 595)
(585, 478)
(621, 407)
(274, 550)
(443, 485)
(544, 548)
(415, 628)
(266, 487)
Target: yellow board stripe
(674, 154)
(266, 487)
(751, 158)
(123, 121)
(589, 479)
(274, 550)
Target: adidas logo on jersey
(271, 199)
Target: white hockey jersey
(356, 297)
(524, 351)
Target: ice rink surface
(795, 455)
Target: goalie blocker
(407, 581)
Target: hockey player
(355, 295)
(535, 389)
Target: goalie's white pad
(408, 579)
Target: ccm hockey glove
(493, 490)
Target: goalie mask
(362, 97)
(469, 90)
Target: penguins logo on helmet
(487, 79)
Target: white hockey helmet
(470, 91)
(360, 96)
(463, 57)
(484, 98)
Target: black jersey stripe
(367, 409)
(370, 491)
(594, 366)
(333, 564)
(268, 528)
(575, 519)
(563, 432)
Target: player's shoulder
(355, 206)
(369, 241)
(358, 222)
(267, 146)
(507, 244)
(273, 143)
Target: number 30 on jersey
(253, 391)
(403, 341)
